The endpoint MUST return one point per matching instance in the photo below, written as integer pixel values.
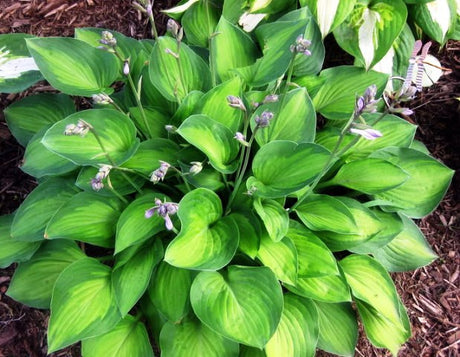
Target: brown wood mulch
(431, 294)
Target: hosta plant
(198, 204)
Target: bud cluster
(301, 46)
(101, 98)
(96, 182)
(164, 210)
(108, 39)
(263, 120)
(174, 29)
(81, 128)
(236, 102)
(367, 102)
(160, 173)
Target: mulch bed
(431, 294)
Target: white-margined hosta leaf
(436, 18)
(241, 303)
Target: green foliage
(198, 206)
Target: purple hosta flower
(263, 120)
(301, 46)
(160, 173)
(96, 182)
(81, 128)
(101, 98)
(369, 133)
(148, 9)
(271, 98)
(108, 39)
(175, 30)
(196, 168)
(236, 102)
(367, 102)
(241, 138)
(164, 210)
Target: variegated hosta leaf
(437, 18)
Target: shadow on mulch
(431, 294)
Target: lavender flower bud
(236, 102)
(263, 120)
(148, 10)
(164, 210)
(367, 103)
(108, 39)
(301, 46)
(240, 137)
(369, 133)
(160, 173)
(195, 168)
(271, 98)
(126, 68)
(173, 27)
(101, 98)
(82, 128)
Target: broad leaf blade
(274, 216)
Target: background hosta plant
(200, 205)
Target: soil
(431, 294)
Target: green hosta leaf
(133, 227)
(155, 321)
(297, 332)
(39, 161)
(238, 47)
(72, 66)
(370, 282)
(117, 180)
(150, 152)
(116, 132)
(250, 232)
(282, 167)
(280, 257)
(275, 39)
(215, 105)
(40, 205)
(327, 288)
(83, 304)
(396, 132)
(381, 331)
(436, 18)
(338, 328)
(409, 250)
(212, 138)
(274, 216)
(324, 212)
(86, 217)
(128, 338)
(335, 99)
(329, 14)
(207, 240)
(370, 30)
(199, 22)
(190, 338)
(18, 71)
(242, 303)
(313, 256)
(33, 281)
(132, 271)
(295, 110)
(246, 351)
(268, 6)
(392, 225)
(28, 116)
(366, 221)
(176, 77)
(427, 183)
(154, 123)
(169, 291)
(13, 250)
(371, 176)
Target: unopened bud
(264, 119)
(170, 52)
(173, 27)
(236, 102)
(195, 168)
(171, 129)
(241, 139)
(126, 68)
(272, 98)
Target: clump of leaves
(199, 205)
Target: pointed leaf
(436, 18)
(212, 138)
(338, 328)
(327, 288)
(282, 167)
(86, 217)
(427, 183)
(206, 240)
(169, 291)
(274, 216)
(191, 338)
(115, 130)
(176, 77)
(13, 250)
(243, 304)
(199, 22)
(280, 257)
(133, 227)
(130, 277)
(297, 332)
(128, 338)
(33, 281)
(83, 304)
(324, 212)
(40, 205)
(250, 232)
(409, 250)
(313, 256)
(239, 49)
(72, 66)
